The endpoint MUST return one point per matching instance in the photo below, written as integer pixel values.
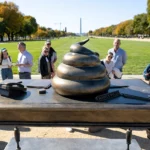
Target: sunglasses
(48, 44)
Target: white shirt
(24, 58)
(119, 58)
(109, 66)
(5, 63)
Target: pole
(60, 26)
(80, 26)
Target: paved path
(129, 39)
(6, 132)
(124, 77)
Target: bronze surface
(80, 60)
(80, 73)
(80, 87)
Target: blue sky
(59, 14)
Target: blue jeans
(6, 73)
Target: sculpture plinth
(80, 73)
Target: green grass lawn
(138, 52)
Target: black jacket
(43, 66)
(51, 52)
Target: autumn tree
(2, 29)
(2, 20)
(124, 27)
(12, 18)
(41, 32)
(129, 28)
(96, 32)
(99, 32)
(57, 33)
(110, 29)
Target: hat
(48, 42)
(3, 49)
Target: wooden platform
(72, 144)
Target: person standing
(24, 62)
(5, 65)
(44, 64)
(119, 55)
(52, 56)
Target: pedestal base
(71, 144)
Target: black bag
(12, 89)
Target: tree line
(139, 25)
(14, 24)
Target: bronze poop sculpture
(80, 73)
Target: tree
(90, 32)
(29, 26)
(129, 28)
(57, 33)
(110, 29)
(96, 32)
(99, 32)
(51, 33)
(124, 28)
(41, 32)
(2, 29)
(3, 14)
(140, 24)
(12, 18)
(148, 11)
(62, 33)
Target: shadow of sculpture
(2, 145)
(11, 128)
(144, 143)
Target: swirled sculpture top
(80, 73)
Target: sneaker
(69, 129)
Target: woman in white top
(5, 65)
(111, 70)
